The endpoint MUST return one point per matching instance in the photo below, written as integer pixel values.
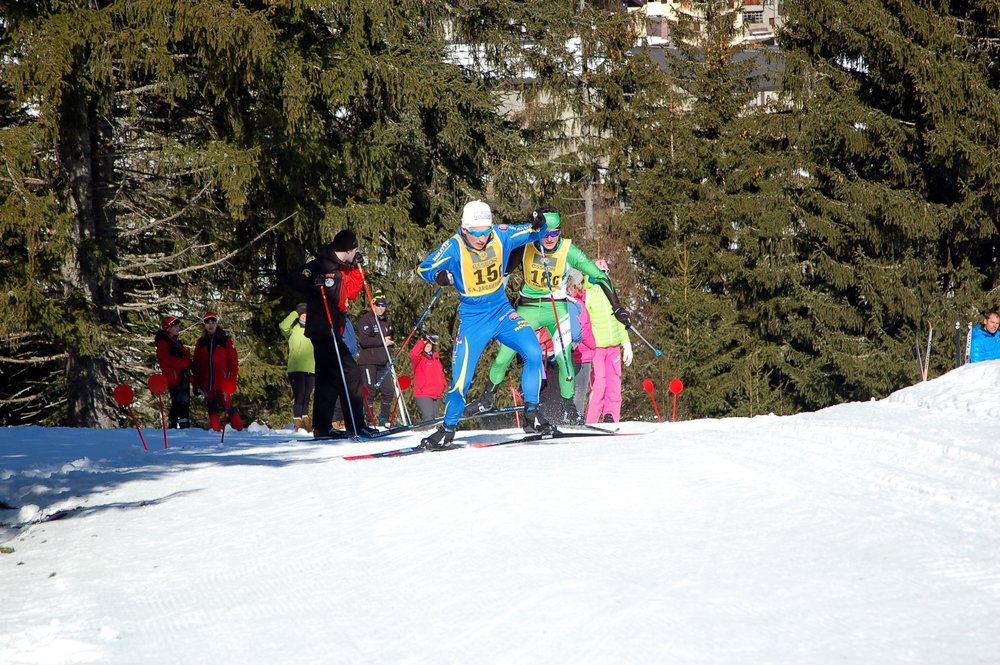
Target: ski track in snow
(862, 533)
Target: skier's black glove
(359, 260)
(537, 220)
(623, 317)
(444, 278)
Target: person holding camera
(429, 382)
(331, 281)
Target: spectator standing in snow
(429, 381)
(332, 281)
(301, 365)
(376, 347)
(175, 366)
(583, 352)
(613, 347)
(216, 363)
(985, 340)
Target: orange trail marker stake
(647, 385)
(676, 386)
(158, 386)
(124, 395)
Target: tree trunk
(86, 271)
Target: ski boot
(570, 415)
(534, 421)
(608, 418)
(440, 440)
(482, 403)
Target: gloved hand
(359, 259)
(622, 315)
(444, 278)
(627, 352)
(537, 220)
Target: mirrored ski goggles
(554, 233)
(479, 234)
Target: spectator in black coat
(374, 339)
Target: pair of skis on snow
(340, 435)
(527, 439)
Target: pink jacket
(584, 351)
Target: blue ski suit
(484, 311)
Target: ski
(343, 435)
(536, 438)
(593, 428)
(530, 438)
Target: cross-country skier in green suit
(545, 265)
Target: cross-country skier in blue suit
(474, 261)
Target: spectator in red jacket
(175, 365)
(429, 382)
(216, 369)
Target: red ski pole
(158, 386)
(515, 395)
(124, 395)
(404, 383)
(676, 386)
(648, 386)
(371, 414)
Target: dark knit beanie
(344, 241)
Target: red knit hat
(209, 315)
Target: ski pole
(646, 342)
(405, 344)
(392, 366)
(514, 394)
(367, 393)
(340, 365)
(404, 383)
(555, 312)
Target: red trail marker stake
(158, 386)
(647, 385)
(676, 386)
(124, 395)
(228, 387)
(404, 384)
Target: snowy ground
(864, 533)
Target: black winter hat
(301, 308)
(344, 241)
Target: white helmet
(476, 213)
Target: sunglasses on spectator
(480, 234)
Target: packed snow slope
(863, 533)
